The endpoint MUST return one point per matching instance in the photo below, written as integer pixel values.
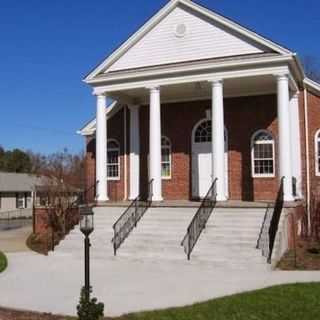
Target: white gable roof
(208, 35)
(203, 39)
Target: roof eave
(312, 85)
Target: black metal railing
(274, 224)
(199, 221)
(130, 218)
(270, 225)
(294, 187)
(15, 219)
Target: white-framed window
(263, 154)
(165, 158)
(203, 132)
(113, 160)
(317, 152)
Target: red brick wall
(243, 117)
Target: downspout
(125, 153)
(306, 125)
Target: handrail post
(189, 245)
(135, 212)
(114, 242)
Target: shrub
(3, 262)
(89, 309)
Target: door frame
(194, 166)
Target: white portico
(233, 62)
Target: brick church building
(193, 97)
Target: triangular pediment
(181, 32)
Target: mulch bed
(305, 257)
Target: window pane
(165, 157)
(165, 169)
(113, 160)
(113, 171)
(113, 157)
(203, 132)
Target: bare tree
(312, 67)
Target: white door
(202, 160)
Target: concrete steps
(229, 239)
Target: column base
(157, 199)
(222, 198)
(102, 200)
(287, 198)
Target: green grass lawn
(289, 302)
(3, 262)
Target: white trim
(164, 12)
(312, 85)
(226, 150)
(316, 151)
(190, 67)
(257, 175)
(207, 76)
(170, 157)
(118, 178)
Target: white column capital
(216, 82)
(99, 94)
(153, 88)
(282, 76)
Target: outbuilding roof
(18, 182)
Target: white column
(134, 152)
(101, 150)
(218, 158)
(296, 142)
(285, 157)
(155, 143)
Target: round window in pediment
(181, 30)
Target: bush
(89, 309)
(3, 262)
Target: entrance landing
(196, 204)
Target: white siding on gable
(203, 40)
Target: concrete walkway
(52, 284)
(15, 240)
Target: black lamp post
(87, 227)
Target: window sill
(263, 176)
(113, 179)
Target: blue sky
(47, 47)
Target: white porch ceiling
(201, 90)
